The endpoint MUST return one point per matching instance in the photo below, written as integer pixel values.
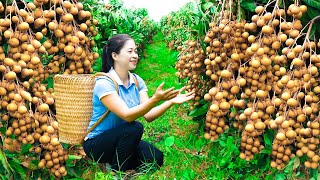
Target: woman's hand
(168, 94)
(181, 98)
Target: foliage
(190, 22)
(114, 18)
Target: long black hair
(115, 44)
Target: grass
(187, 154)
(174, 133)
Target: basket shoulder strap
(108, 111)
(136, 81)
(95, 125)
(99, 74)
(114, 82)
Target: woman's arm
(120, 108)
(156, 112)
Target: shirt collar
(114, 74)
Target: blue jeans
(122, 148)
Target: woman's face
(127, 57)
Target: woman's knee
(138, 127)
(134, 130)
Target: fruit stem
(222, 7)
(239, 11)
(230, 9)
(311, 24)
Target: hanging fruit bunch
(190, 66)
(40, 39)
(227, 44)
(264, 75)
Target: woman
(117, 139)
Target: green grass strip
(174, 133)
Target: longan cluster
(190, 66)
(264, 76)
(40, 39)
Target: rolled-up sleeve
(103, 87)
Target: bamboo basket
(73, 101)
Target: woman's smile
(134, 62)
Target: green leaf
(65, 145)
(280, 177)
(314, 173)
(168, 149)
(6, 48)
(192, 174)
(45, 59)
(50, 82)
(34, 165)
(222, 143)
(188, 174)
(3, 130)
(196, 28)
(296, 163)
(73, 157)
(200, 143)
(95, 49)
(169, 141)
(248, 4)
(7, 1)
(98, 37)
(207, 5)
(268, 137)
(241, 15)
(223, 161)
(25, 148)
(43, 38)
(313, 3)
(289, 167)
(265, 151)
(233, 110)
(199, 111)
(4, 161)
(15, 164)
(312, 12)
(231, 145)
(9, 154)
(73, 172)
